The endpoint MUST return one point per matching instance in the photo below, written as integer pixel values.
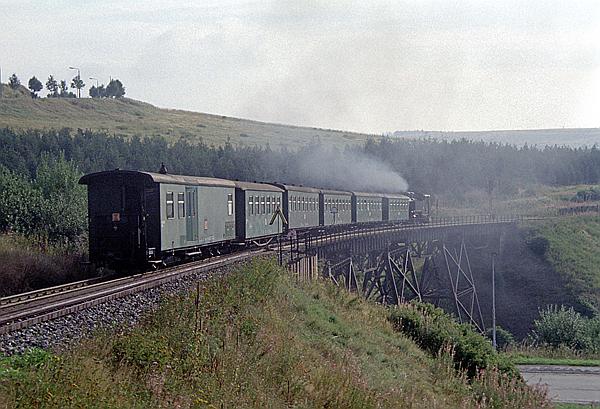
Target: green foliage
(77, 83)
(504, 338)
(52, 205)
(52, 87)
(573, 252)
(435, 331)
(586, 195)
(114, 89)
(565, 327)
(33, 359)
(13, 81)
(35, 86)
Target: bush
(52, 205)
(565, 327)
(435, 331)
(29, 265)
(503, 337)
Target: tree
(14, 82)
(78, 84)
(115, 89)
(52, 87)
(64, 90)
(35, 86)
(97, 92)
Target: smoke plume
(351, 170)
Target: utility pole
(494, 344)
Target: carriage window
(170, 206)
(181, 205)
(278, 203)
(268, 204)
(251, 204)
(230, 204)
(262, 205)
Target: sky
(368, 66)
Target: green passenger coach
(255, 206)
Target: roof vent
(163, 169)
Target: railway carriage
(254, 207)
(335, 207)
(137, 217)
(367, 207)
(300, 206)
(396, 207)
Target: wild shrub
(28, 264)
(504, 338)
(565, 327)
(52, 205)
(434, 330)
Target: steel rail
(51, 306)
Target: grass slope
(574, 251)
(254, 339)
(129, 117)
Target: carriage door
(191, 217)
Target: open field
(129, 117)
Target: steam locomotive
(141, 218)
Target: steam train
(141, 218)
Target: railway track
(23, 310)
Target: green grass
(537, 200)
(256, 339)
(535, 360)
(574, 251)
(128, 117)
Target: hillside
(541, 137)
(254, 339)
(129, 117)
(572, 246)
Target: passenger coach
(255, 205)
(300, 206)
(137, 217)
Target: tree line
(30, 161)
(60, 89)
(427, 165)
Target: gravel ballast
(123, 312)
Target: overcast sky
(366, 65)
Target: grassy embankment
(255, 339)
(128, 117)
(574, 251)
